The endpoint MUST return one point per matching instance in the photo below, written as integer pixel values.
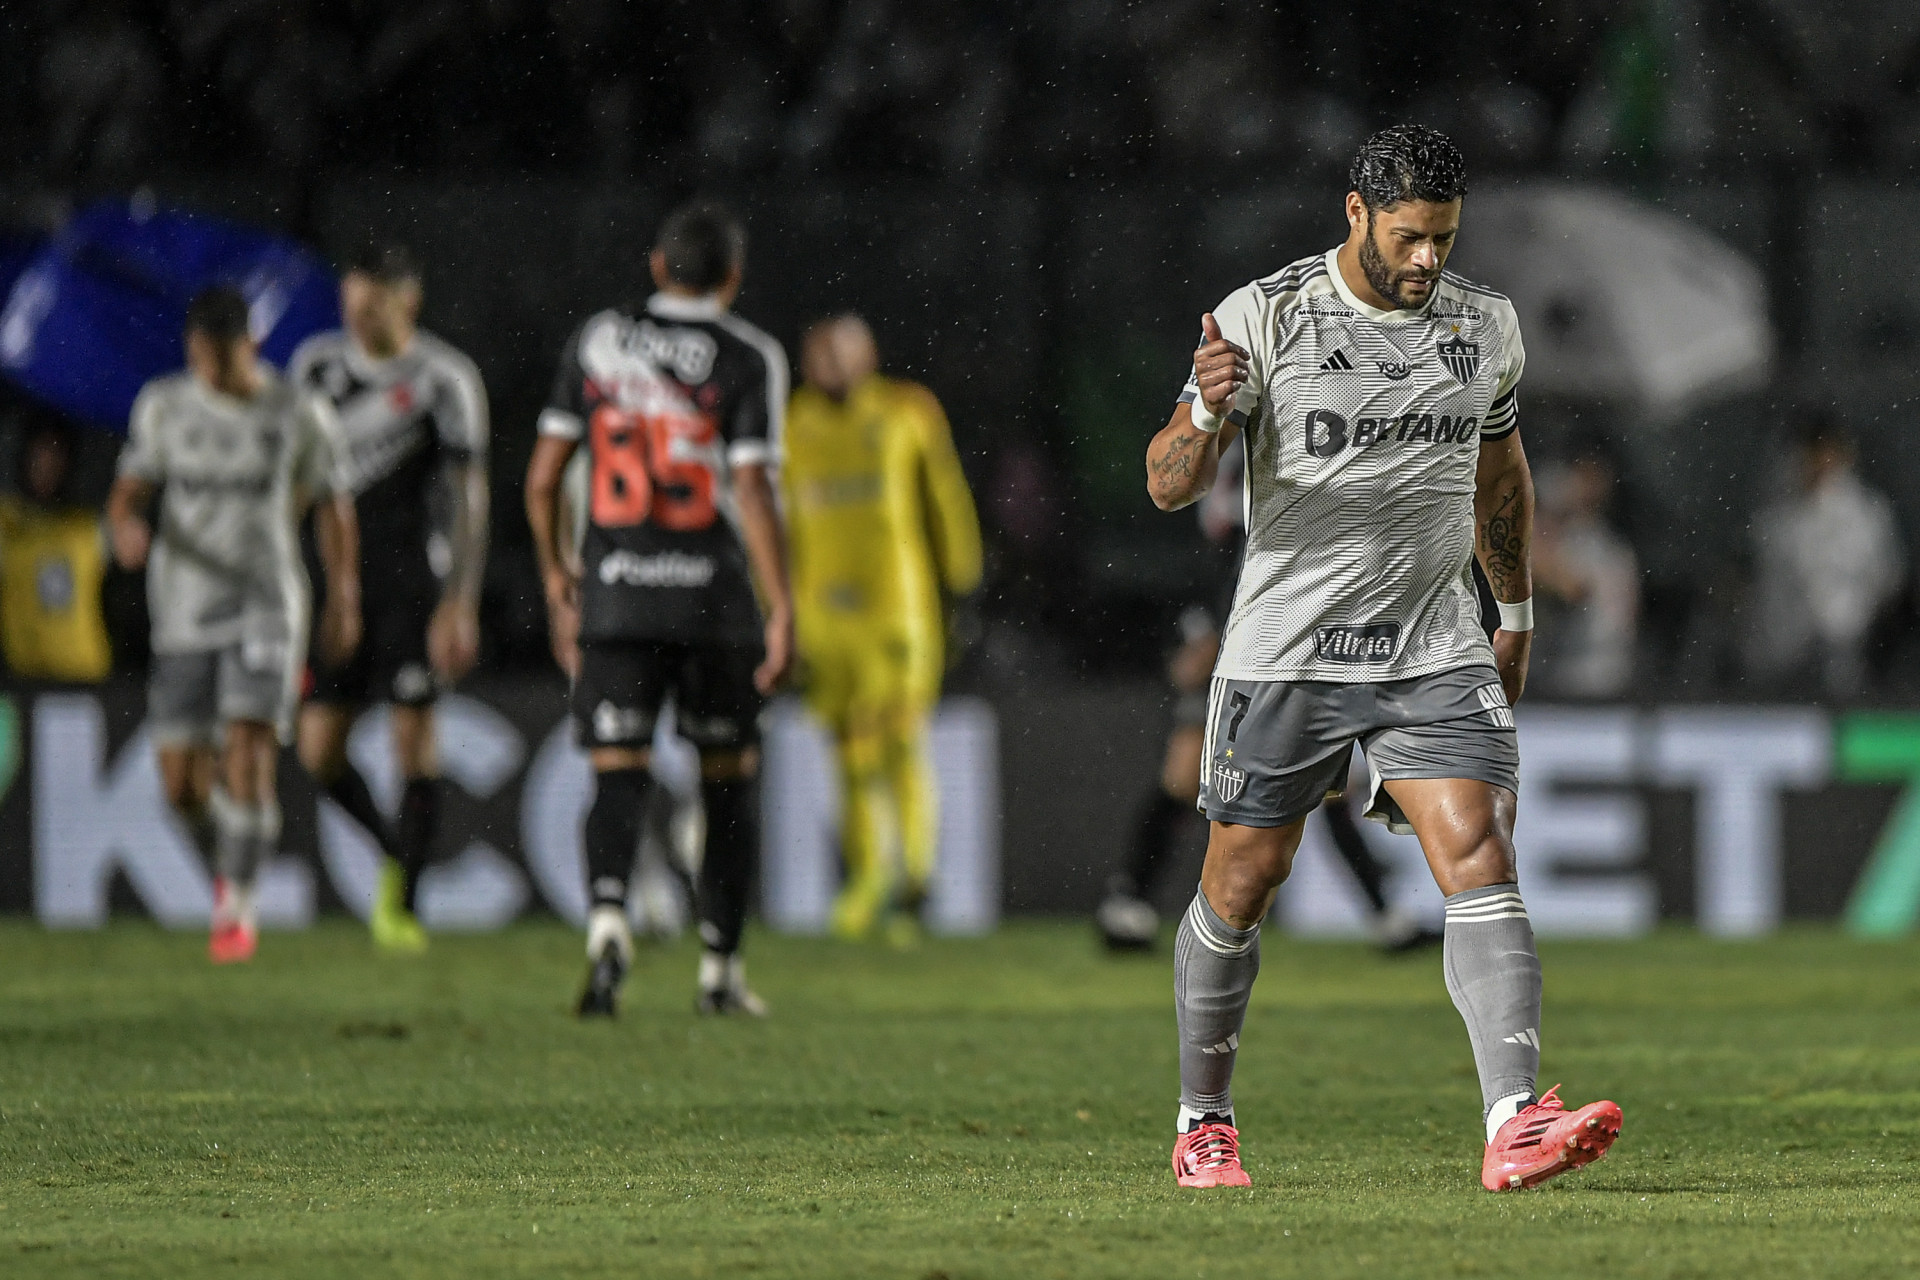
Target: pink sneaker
(1208, 1155)
(234, 938)
(1546, 1140)
(232, 943)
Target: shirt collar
(1398, 315)
(362, 363)
(674, 306)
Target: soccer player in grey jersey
(413, 416)
(1376, 394)
(236, 454)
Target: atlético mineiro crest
(1228, 782)
(1461, 358)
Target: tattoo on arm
(1177, 468)
(1506, 538)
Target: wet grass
(970, 1109)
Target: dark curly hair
(1408, 162)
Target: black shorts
(391, 663)
(623, 684)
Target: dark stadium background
(1033, 204)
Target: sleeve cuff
(1202, 416)
(750, 453)
(1503, 418)
(561, 425)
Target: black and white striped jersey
(402, 420)
(1363, 436)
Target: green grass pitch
(970, 1109)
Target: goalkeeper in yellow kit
(882, 533)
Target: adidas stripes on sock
(245, 836)
(1493, 975)
(1214, 965)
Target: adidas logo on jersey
(1337, 363)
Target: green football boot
(395, 929)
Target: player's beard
(1373, 265)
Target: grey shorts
(190, 695)
(1276, 749)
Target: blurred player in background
(1378, 397)
(413, 415)
(883, 534)
(673, 827)
(52, 566)
(1127, 918)
(237, 454)
(679, 405)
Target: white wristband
(1516, 617)
(1205, 419)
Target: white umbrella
(1619, 299)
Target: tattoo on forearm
(1178, 465)
(1504, 544)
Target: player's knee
(182, 796)
(608, 759)
(322, 766)
(1249, 863)
(1475, 863)
(860, 756)
(414, 742)
(322, 752)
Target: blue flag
(100, 308)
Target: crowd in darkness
(111, 90)
(981, 95)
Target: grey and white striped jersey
(225, 564)
(1363, 436)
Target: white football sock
(1188, 1118)
(1504, 1110)
(609, 924)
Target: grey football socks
(1214, 965)
(246, 837)
(236, 828)
(1493, 975)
